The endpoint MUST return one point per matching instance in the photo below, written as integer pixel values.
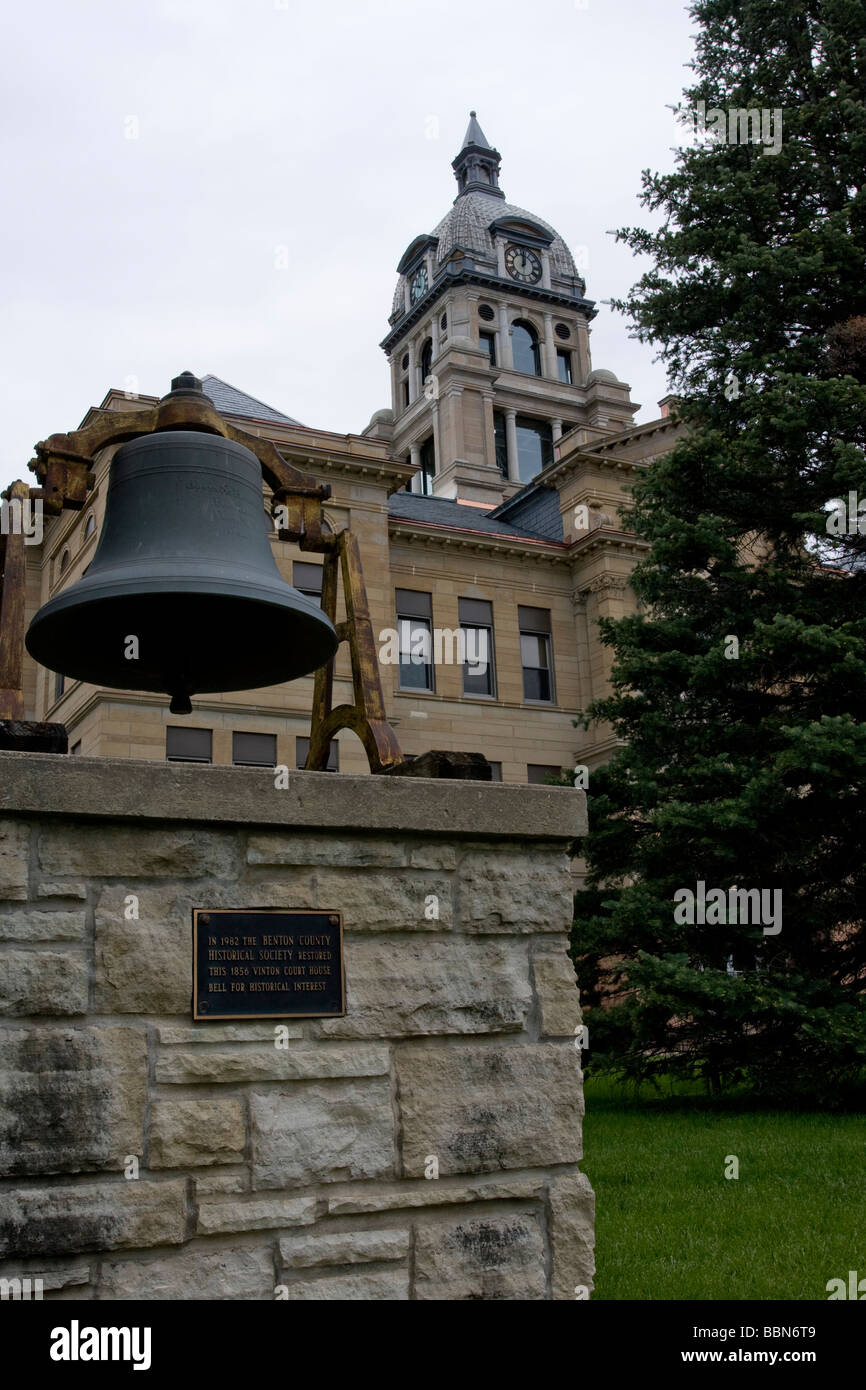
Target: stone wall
(144, 1156)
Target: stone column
(437, 452)
(545, 269)
(556, 429)
(489, 429)
(507, 358)
(415, 456)
(413, 374)
(548, 349)
(434, 335)
(511, 446)
(500, 257)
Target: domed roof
(467, 224)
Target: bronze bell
(183, 595)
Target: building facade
(490, 503)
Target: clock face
(418, 287)
(522, 264)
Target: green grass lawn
(670, 1225)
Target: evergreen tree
(744, 761)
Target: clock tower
(488, 345)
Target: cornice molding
(552, 552)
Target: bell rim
(41, 634)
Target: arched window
(89, 526)
(524, 346)
(426, 361)
(64, 562)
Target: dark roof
(441, 511)
(474, 134)
(535, 507)
(231, 401)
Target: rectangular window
(428, 467)
(501, 440)
(308, 579)
(536, 656)
(415, 639)
(254, 750)
(405, 394)
(183, 745)
(495, 771)
(302, 752)
(59, 685)
(479, 669)
(540, 772)
(488, 341)
(563, 366)
(534, 446)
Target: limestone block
(144, 965)
(14, 853)
(247, 1030)
(371, 1285)
(265, 1062)
(343, 1248)
(208, 1183)
(495, 1257)
(515, 890)
(479, 1108)
(572, 1220)
(431, 1192)
(44, 982)
(558, 997)
(68, 847)
(71, 1099)
(322, 1133)
(198, 1273)
(431, 854)
(92, 1216)
(287, 888)
(399, 900)
(70, 888)
(55, 1275)
(357, 851)
(243, 1032)
(192, 1133)
(428, 985)
(217, 1215)
(32, 924)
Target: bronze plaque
(267, 963)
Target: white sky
(269, 123)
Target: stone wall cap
(48, 784)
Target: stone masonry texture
(425, 1146)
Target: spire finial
(474, 134)
(476, 167)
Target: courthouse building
(491, 497)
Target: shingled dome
(479, 209)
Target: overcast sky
(156, 156)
